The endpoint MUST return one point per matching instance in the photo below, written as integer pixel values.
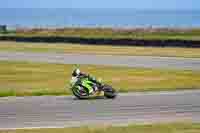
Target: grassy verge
(154, 128)
(25, 79)
(109, 33)
(110, 50)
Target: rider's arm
(92, 78)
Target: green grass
(27, 79)
(8, 32)
(109, 50)
(149, 128)
(141, 33)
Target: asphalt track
(66, 111)
(130, 61)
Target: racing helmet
(76, 72)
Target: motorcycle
(83, 88)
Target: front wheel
(109, 92)
(79, 94)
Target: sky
(135, 4)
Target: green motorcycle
(83, 88)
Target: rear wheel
(109, 92)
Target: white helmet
(76, 72)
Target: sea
(67, 17)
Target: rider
(77, 73)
